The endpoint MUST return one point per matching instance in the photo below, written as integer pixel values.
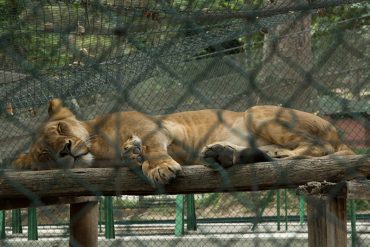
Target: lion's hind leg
(276, 151)
(227, 154)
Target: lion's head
(62, 141)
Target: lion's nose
(66, 149)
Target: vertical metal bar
(32, 224)
(2, 225)
(109, 222)
(301, 210)
(352, 209)
(286, 208)
(100, 214)
(278, 209)
(191, 216)
(16, 221)
(179, 222)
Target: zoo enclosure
(162, 57)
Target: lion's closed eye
(62, 128)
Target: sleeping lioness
(170, 140)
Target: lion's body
(180, 137)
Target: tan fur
(179, 138)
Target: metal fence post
(109, 221)
(100, 220)
(278, 209)
(286, 209)
(16, 221)
(32, 224)
(179, 222)
(2, 225)
(191, 217)
(352, 211)
(301, 210)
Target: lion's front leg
(160, 168)
(156, 164)
(133, 151)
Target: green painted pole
(352, 211)
(286, 208)
(16, 221)
(179, 221)
(191, 216)
(2, 225)
(278, 209)
(32, 224)
(109, 222)
(301, 210)
(100, 220)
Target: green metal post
(179, 224)
(191, 216)
(16, 221)
(278, 209)
(352, 211)
(301, 210)
(286, 209)
(32, 224)
(2, 225)
(100, 220)
(109, 222)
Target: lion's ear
(23, 161)
(55, 105)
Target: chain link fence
(161, 57)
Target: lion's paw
(132, 151)
(219, 153)
(162, 173)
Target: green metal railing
(32, 224)
(185, 206)
(191, 221)
(2, 225)
(109, 221)
(16, 221)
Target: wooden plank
(358, 189)
(118, 181)
(327, 222)
(353, 189)
(8, 203)
(84, 224)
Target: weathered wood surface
(358, 189)
(353, 189)
(327, 222)
(112, 181)
(83, 224)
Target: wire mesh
(161, 57)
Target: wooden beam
(353, 189)
(358, 189)
(84, 224)
(192, 179)
(327, 221)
